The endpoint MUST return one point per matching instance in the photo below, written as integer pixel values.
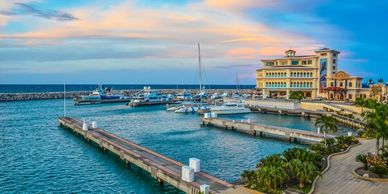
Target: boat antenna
(200, 73)
(64, 98)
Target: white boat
(185, 95)
(187, 109)
(150, 95)
(229, 108)
(180, 104)
(215, 96)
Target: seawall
(4, 97)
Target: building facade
(317, 76)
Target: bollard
(204, 189)
(84, 125)
(94, 124)
(187, 174)
(195, 164)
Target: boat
(100, 95)
(229, 108)
(149, 97)
(179, 104)
(185, 95)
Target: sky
(155, 41)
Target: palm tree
(304, 171)
(271, 178)
(297, 95)
(377, 122)
(326, 124)
(363, 159)
(360, 102)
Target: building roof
(326, 50)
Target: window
(294, 62)
(334, 61)
(341, 84)
(331, 84)
(333, 67)
(323, 54)
(350, 84)
(310, 62)
(334, 54)
(304, 62)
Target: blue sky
(154, 42)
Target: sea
(39, 88)
(38, 156)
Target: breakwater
(71, 94)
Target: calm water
(24, 88)
(36, 156)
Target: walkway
(339, 178)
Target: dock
(136, 104)
(255, 129)
(162, 168)
(78, 101)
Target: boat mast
(200, 73)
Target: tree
(363, 159)
(304, 171)
(360, 102)
(296, 95)
(271, 178)
(377, 122)
(326, 124)
(370, 81)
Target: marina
(73, 163)
(160, 167)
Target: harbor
(160, 167)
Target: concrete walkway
(339, 178)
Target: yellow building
(316, 75)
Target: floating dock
(160, 167)
(135, 104)
(78, 101)
(254, 129)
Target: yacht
(185, 95)
(150, 96)
(100, 95)
(229, 108)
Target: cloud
(27, 9)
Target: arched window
(350, 84)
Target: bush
(380, 170)
(319, 149)
(363, 159)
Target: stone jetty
(72, 94)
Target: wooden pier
(254, 129)
(160, 167)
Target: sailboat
(192, 108)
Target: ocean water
(36, 88)
(37, 156)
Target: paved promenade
(339, 178)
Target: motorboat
(179, 104)
(229, 108)
(149, 95)
(185, 95)
(215, 96)
(100, 95)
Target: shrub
(319, 149)
(363, 159)
(380, 170)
